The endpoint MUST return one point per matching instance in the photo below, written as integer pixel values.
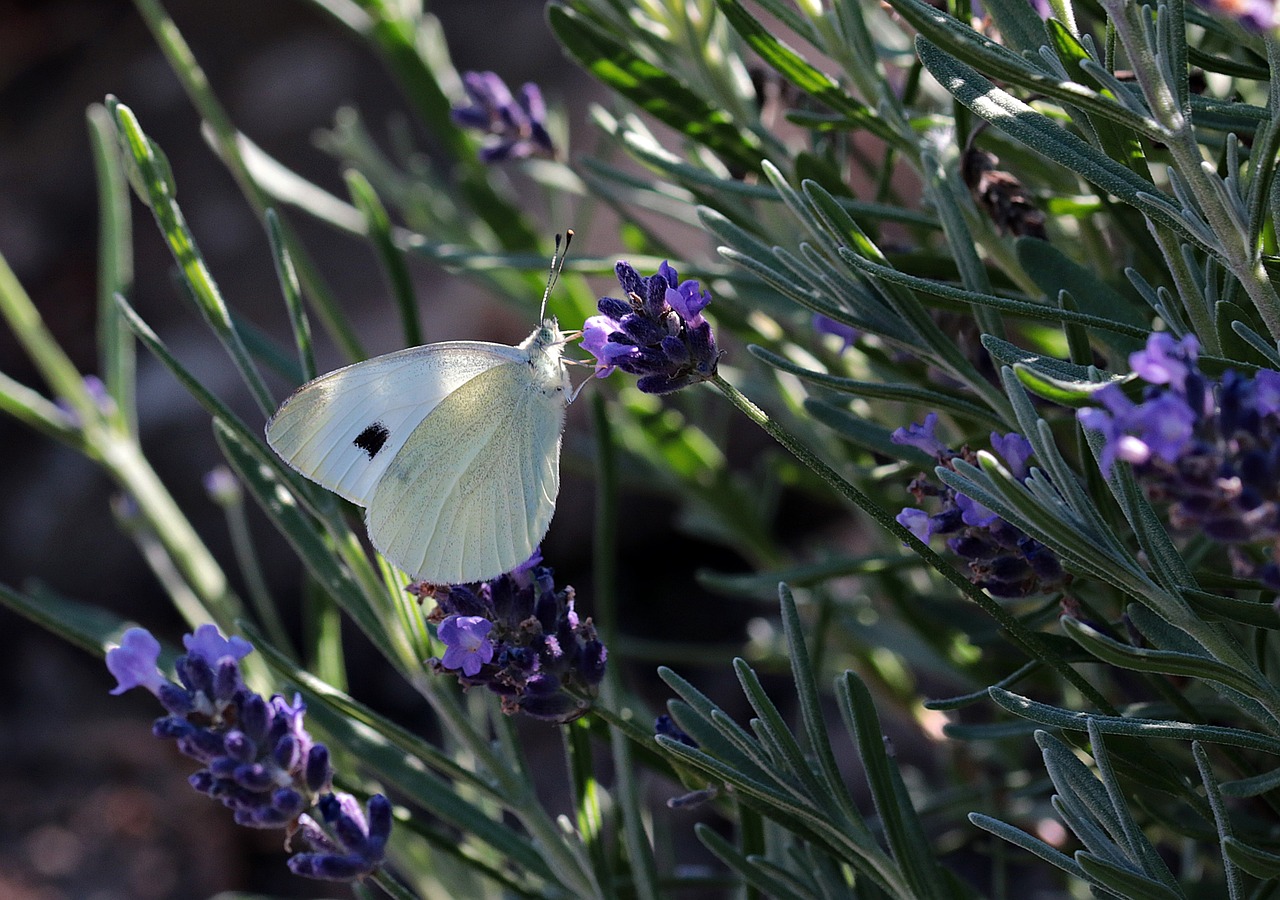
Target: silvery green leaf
(1254, 860)
(1123, 881)
(1038, 132)
(932, 399)
(1133, 726)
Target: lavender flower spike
(657, 332)
(517, 127)
(256, 755)
(921, 436)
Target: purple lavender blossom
(468, 643)
(921, 436)
(522, 639)
(1001, 558)
(133, 663)
(826, 325)
(517, 126)
(1166, 361)
(658, 332)
(257, 756)
(358, 843)
(1208, 450)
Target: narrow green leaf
(1020, 26)
(1020, 838)
(1165, 662)
(1091, 814)
(799, 72)
(815, 727)
(292, 291)
(85, 625)
(1038, 132)
(1221, 821)
(1254, 860)
(1053, 271)
(866, 433)
(116, 352)
(1057, 717)
(659, 93)
(906, 837)
(1124, 881)
(962, 42)
(378, 227)
(1266, 349)
(761, 879)
(158, 183)
(1139, 849)
(990, 301)
(906, 393)
(1252, 787)
(791, 767)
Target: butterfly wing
(343, 429)
(472, 491)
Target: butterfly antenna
(557, 266)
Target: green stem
(1027, 640)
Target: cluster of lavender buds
(258, 759)
(1002, 559)
(521, 638)
(657, 332)
(1209, 449)
(517, 126)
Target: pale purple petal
(917, 521)
(1266, 386)
(974, 513)
(1015, 450)
(208, 644)
(467, 642)
(921, 436)
(133, 663)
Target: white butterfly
(452, 448)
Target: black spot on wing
(372, 438)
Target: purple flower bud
(240, 747)
(658, 333)
(667, 727)
(974, 513)
(317, 772)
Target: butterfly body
(452, 448)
